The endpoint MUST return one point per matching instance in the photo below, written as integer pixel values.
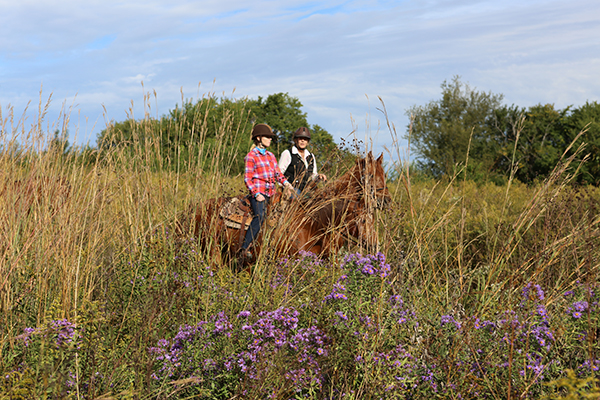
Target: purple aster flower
(449, 319)
(580, 306)
(341, 315)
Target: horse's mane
(350, 185)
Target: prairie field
(475, 290)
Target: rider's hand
(288, 189)
(260, 198)
(322, 177)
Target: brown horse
(337, 214)
(321, 222)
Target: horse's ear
(361, 163)
(380, 158)
(370, 156)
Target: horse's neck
(348, 187)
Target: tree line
(494, 141)
(215, 132)
(466, 131)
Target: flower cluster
(62, 332)
(583, 318)
(361, 325)
(449, 319)
(53, 347)
(248, 351)
(368, 265)
(516, 344)
(401, 312)
(338, 291)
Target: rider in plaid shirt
(261, 172)
(260, 175)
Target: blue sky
(337, 57)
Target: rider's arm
(316, 176)
(249, 174)
(285, 160)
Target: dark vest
(296, 173)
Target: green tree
(504, 128)
(541, 143)
(444, 130)
(283, 114)
(323, 146)
(528, 142)
(501, 140)
(210, 133)
(586, 117)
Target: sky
(344, 60)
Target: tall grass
(481, 242)
(66, 215)
(92, 277)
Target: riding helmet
(262, 130)
(302, 133)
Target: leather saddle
(236, 211)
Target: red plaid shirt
(261, 173)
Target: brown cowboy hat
(262, 130)
(302, 133)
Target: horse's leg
(210, 230)
(310, 239)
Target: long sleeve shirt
(262, 172)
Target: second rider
(297, 164)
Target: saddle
(236, 211)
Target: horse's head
(370, 175)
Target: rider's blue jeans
(260, 209)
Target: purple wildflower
(449, 319)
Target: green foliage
(208, 133)
(586, 118)
(211, 132)
(574, 387)
(502, 141)
(282, 113)
(542, 142)
(446, 130)
(322, 146)
(17, 385)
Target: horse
(321, 222)
(337, 214)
